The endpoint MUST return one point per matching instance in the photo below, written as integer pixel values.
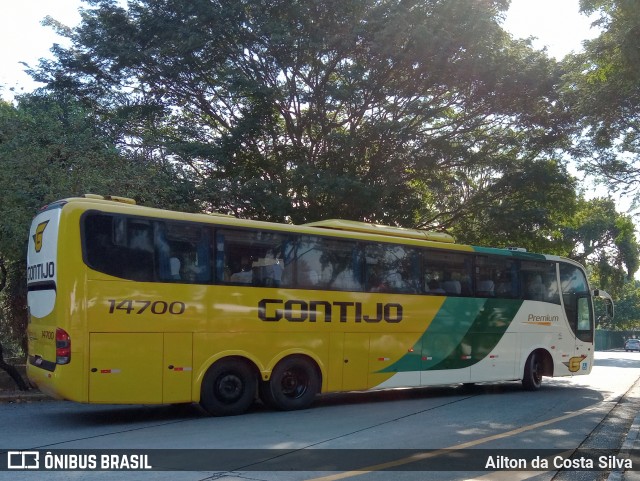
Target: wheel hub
(229, 388)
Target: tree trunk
(11, 370)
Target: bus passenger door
(177, 368)
(125, 367)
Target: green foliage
(50, 148)
(627, 308)
(408, 113)
(606, 241)
(602, 88)
(526, 210)
(13, 311)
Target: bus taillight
(63, 347)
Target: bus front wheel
(293, 385)
(533, 369)
(228, 388)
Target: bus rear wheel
(533, 369)
(293, 385)
(228, 388)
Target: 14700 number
(131, 306)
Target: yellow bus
(137, 305)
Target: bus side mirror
(609, 306)
(608, 302)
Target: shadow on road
(505, 392)
(114, 415)
(501, 393)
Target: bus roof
(355, 226)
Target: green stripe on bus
(488, 327)
(463, 332)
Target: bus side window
(539, 281)
(183, 252)
(446, 273)
(119, 246)
(257, 258)
(98, 247)
(392, 268)
(497, 276)
(325, 263)
(135, 255)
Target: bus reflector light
(63, 347)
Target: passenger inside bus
(243, 274)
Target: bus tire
(228, 388)
(294, 383)
(533, 369)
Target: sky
(24, 39)
(557, 25)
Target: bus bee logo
(575, 363)
(37, 237)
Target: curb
(7, 397)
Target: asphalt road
(362, 436)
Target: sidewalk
(631, 443)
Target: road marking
(470, 444)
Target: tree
(526, 209)
(605, 240)
(603, 90)
(628, 308)
(410, 113)
(9, 369)
(50, 148)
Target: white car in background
(632, 345)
